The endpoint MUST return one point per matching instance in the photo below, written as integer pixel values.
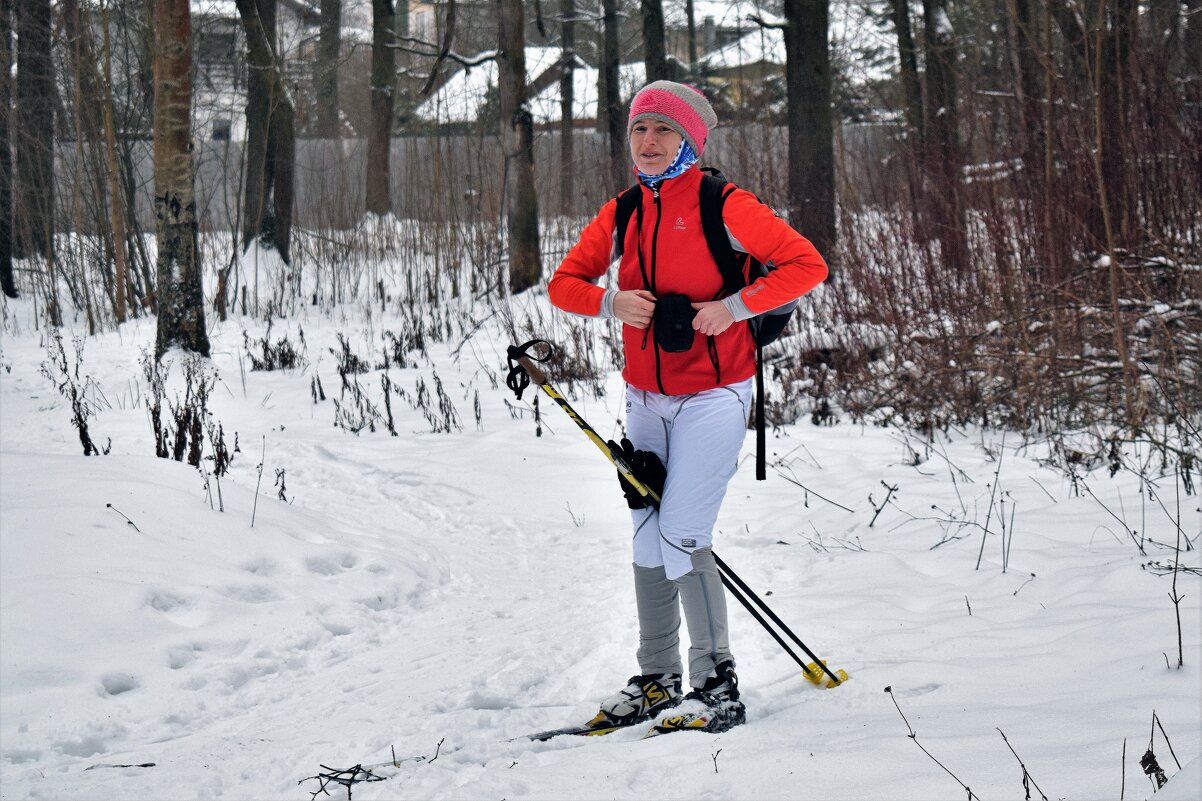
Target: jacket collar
(687, 182)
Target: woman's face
(653, 146)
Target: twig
(1123, 786)
(1026, 776)
(792, 480)
(1045, 489)
(719, 751)
(1156, 720)
(346, 778)
(127, 520)
(1122, 522)
(1173, 596)
(992, 493)
(255, 508)
(914, 736)
(1025, 583)
(884, 503)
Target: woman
(687, 398)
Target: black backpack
(737, 269)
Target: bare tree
(654, 53)
(811, 146)
(944, 157)
(34, 135)
(609, 98)
(908, 68)
(329, 47)
(567, 99)
(691, 25)
(517, 145)
(7, 284)
(270, 135)
(383, 83)
(181, 300)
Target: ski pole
(539, 377)
(729, 575)
(734, 590)
(519, 378)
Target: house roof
(762, 45)
(460, 98)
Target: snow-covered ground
(439, 595)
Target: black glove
(647, 468)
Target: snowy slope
(441, 594)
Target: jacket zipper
(659, 213)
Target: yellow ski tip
(817, 676)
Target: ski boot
(643, 698)
(715, 707)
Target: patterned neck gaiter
(685, 158)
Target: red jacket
(676, 259)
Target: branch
(758, 20)
(914, 736)
(1026, 776)
(448, 36)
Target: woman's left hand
(712, 318)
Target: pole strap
(519, 375)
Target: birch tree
(181, 320)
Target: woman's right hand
(634, 307)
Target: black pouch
(674, 323)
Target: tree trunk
(691, 25)
(270, 135)
(329, 50)
(1030, 95)
(78, 33)
(7, 284)
(181, 300)
(944, 155)
(33, 143)
(908, 68)
(609, 98)
(811, 147)
(1191, 47)
(567, 112)
(654, 55)
(517, 145)
(116, 200)
(1113, 80)
(383, 82)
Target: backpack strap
(714, 191)
(628, 201)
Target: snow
(443, 594)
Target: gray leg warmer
(659, 621)
(704, 601)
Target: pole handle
(533, 370)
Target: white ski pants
(698, 438)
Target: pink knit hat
(680, 106)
